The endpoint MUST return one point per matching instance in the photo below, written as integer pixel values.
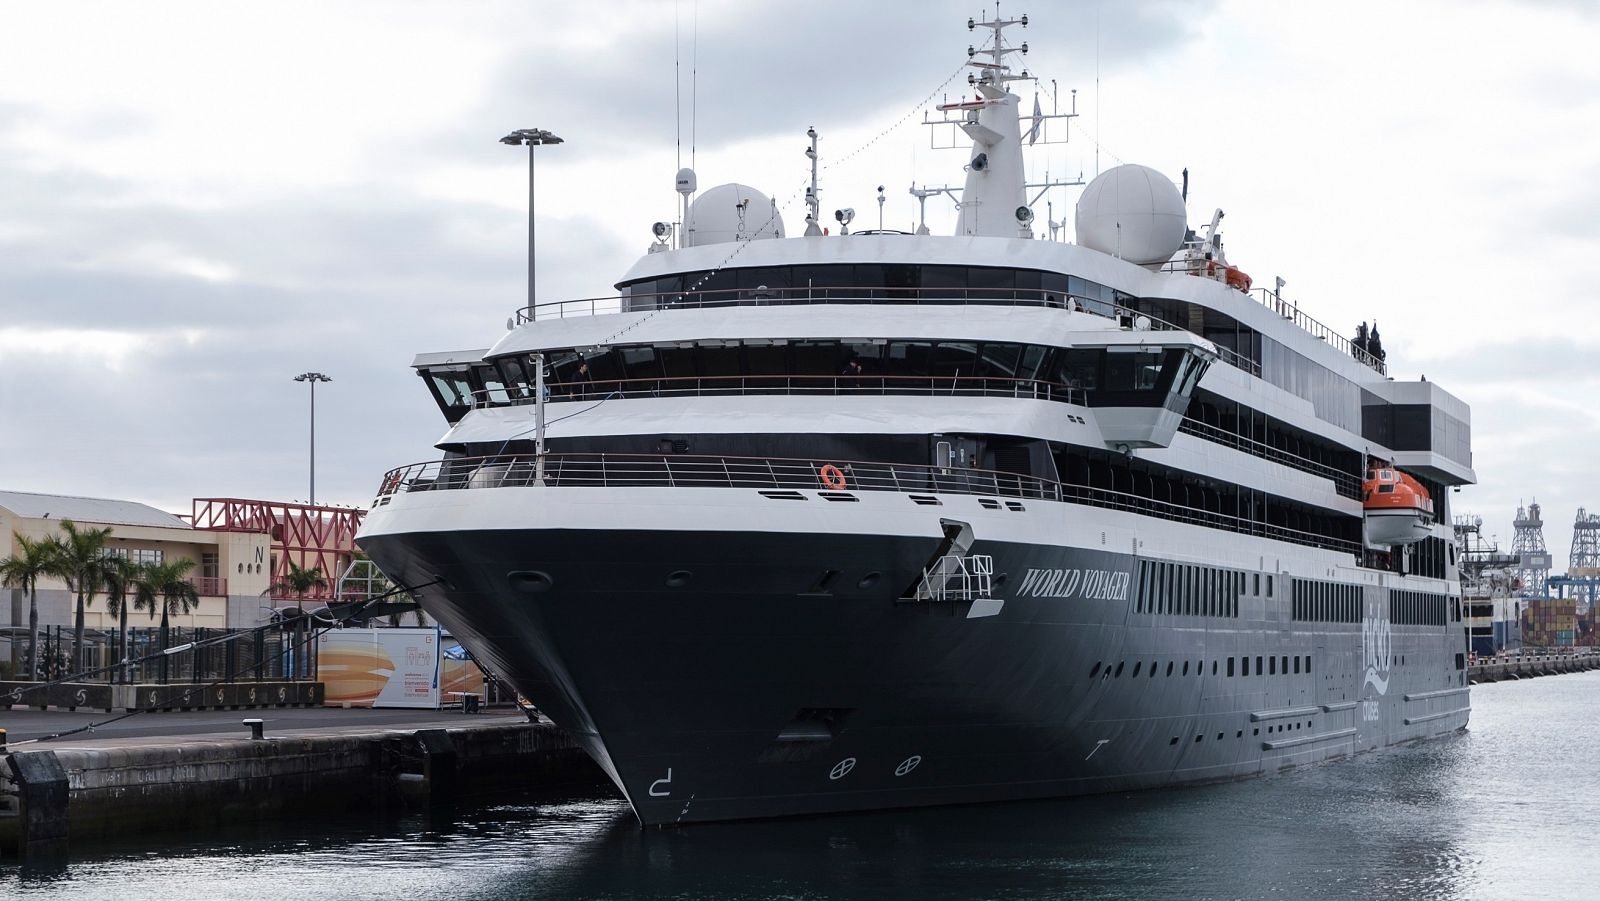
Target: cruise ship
(853, 520)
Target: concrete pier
(83, 791)
(1528, 666)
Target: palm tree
(165, 585)
(298, 581)
(122, 577)
(80, 558)
(21, 571)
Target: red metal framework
(308, 536)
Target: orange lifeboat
(1398, 509)
(1233, 275)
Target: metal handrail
(1290, 311)
(1346, 484)
(736, 385)
(784, 296)
(679, 471)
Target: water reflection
(1497, 812)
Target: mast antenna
(812, 228)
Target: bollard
(42, 793)
(255, 729)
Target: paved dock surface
(156, 728)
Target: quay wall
(189, 786)
(1528, 666)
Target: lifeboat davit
(1398, 509)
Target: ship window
(1257, 591)
(1230, 666)
(1213, 667)
(494, 386)
(1246, 662)
(1094, 670)
(1259, 669)
(1269, 586)
(1169, 667)
(641, 362)
(1136, 665)
(1152, 669)
(452, 392)
(987, 282)
(1118, 673)
(1286, 664)
(1186, 667)
(954, 360)
(1297, 665)
(1079, 368)
(1272, 666)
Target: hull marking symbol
(667, 782)
(842, 768)
(907, 765)
(1097, 746)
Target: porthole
(869, 580)
(530, 581)
(1118, 673)
(1136, 665)
(1094, 670)
(1169, 667)
(679, 578)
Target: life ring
(832, 477)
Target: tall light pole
(313, 378)
(532, 137)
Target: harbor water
(1503, 810)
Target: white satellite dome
(1132, 212)
(731, 212)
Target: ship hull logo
(1377, 643)
(1089, 584)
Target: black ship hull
(729, 675)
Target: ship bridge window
(1139, 378)
(452, 391)
(494, 384)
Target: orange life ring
(832, 477)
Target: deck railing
(1344, 483)
(792, 476)
(1273, 301)
(935, 296)
(779, 297)
(734, 385)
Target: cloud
(201, 200)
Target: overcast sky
(198, 201)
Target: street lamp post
(313, 378)
(532, 137)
